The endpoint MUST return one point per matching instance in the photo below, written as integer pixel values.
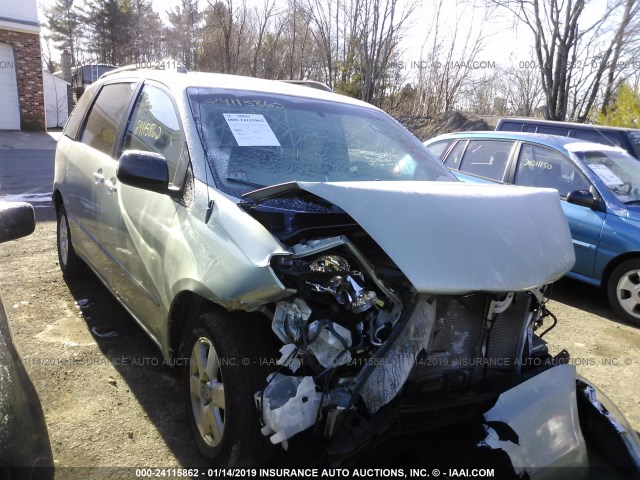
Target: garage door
(9, 111)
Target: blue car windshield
(255, 139)
(619, 171)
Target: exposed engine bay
(355, 334)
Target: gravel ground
(109, 400)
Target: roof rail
(161, 65)
(310, 84)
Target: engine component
(329, 343)
(313, 247)
(287, 405)
(330, 263)
(289, 320)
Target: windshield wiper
(244, 182)
(633, 202)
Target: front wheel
(623, 290)
(227, 364)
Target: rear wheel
(623, 291)
(226, 366)
(71, 265)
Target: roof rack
(161, 65)
(310, 84)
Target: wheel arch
(613, 264)
(56, 198)
(185, 309)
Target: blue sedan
(599, 186)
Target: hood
(453, 238)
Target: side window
(510, 126)
(541, 167)
(487, 158)
(75, 119)
(563, 132)
(438, 149)
(596, 137)
(105, 116)
(154, 127)
(455, 155)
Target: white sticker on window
(606, 175)
(251, 130)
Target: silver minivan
(312, 268)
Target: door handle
(98, 177)
(111, 186)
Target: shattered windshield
(256, 139)
(619, 171)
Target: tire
(71, 265)
(623, 290)
(219, 399)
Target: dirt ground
(109, 400)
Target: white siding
(55, 100)
(21, 10)
(10, 117)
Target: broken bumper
(553, 425)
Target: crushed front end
(399, 323)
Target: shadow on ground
(584, 297)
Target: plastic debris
(289, 320)
(289, 405)
(110, 333)
(288, 359)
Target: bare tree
(379, 32)
(226, 36)
(446, 65)
(522, 87)
(564, 47)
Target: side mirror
(16, 220)
(146, 170)
(584, 198)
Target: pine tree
(63, 20)
(625, 109)
(184, 33)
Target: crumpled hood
(453, 238)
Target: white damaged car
(312, 267)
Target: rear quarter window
(438, 149)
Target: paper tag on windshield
(606, 175)
(251, 130)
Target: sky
(504, 45)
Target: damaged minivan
(313, 269)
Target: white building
(21, 87)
